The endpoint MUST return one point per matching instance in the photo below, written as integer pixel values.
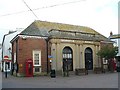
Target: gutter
(47, 54)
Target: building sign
(67, 40)
(88, 42)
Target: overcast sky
(101, 15)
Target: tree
(108, 52)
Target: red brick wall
(13, 50)
(25, 51)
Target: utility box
(53, 74)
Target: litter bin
(53, 74)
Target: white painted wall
(117, 43)
(7, 45)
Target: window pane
(70, 55)
(37, 69)
(66, 55)
(36, 59)
(36, 56)
(36, 62)
(63, 56)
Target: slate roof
(116, 36)
(44, 28)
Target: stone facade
(78, 47)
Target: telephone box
(29, 68)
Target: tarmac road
(107, 80)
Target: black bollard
(5, 70)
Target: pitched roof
(41, 28)
(115, 36)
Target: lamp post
(67, 70)
(50, 64)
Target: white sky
(101, 15)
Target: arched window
(68, 55)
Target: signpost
(50, 60)
(52, 72)
(50, 56)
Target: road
(107, 80)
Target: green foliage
(108, 52)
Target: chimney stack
(111, 33)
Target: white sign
(88, 42)
(67, 40)
(105, 61)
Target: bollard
(5, 74)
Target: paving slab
(107, 80)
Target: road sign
(6, 57)
(50, 56)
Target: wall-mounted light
(24, 38)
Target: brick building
(76, 44)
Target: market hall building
(49, 44)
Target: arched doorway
(68, 55)
(88, 59)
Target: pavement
(0, 80)
(104, 80)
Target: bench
(98, 70)
(81, 70)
